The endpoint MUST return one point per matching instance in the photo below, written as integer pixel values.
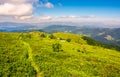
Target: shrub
(43, 35)
(56, 47)
(68, 40)
(78, 50)
(52, 36)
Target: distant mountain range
(106, 35)
(102, 34)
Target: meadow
(38, 54)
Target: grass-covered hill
(36, 54)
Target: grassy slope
(31, 54)
(14, 60)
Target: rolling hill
(37, 54)
(105, 35)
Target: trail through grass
(31, 59)
(32, 55)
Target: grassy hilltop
(37, 54)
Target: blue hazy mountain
(97, 32)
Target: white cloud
(20, 7)
(49, 5)
(66, 17)
(15, 7)
(13, 1)
(15, 10)
(24, 17)
(44, 18)
(22, 10)
(76, 17)
(72, 16)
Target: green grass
(14, 57)
(32, 55)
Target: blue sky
(99, 8)
(50, 10)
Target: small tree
(56, 47)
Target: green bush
(68, 40)
(56, 47)
(43, 35)
(52, 36)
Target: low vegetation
(37, 54)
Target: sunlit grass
(23, 56)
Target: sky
(35, 11)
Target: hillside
(105, 35)
(37, 54)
